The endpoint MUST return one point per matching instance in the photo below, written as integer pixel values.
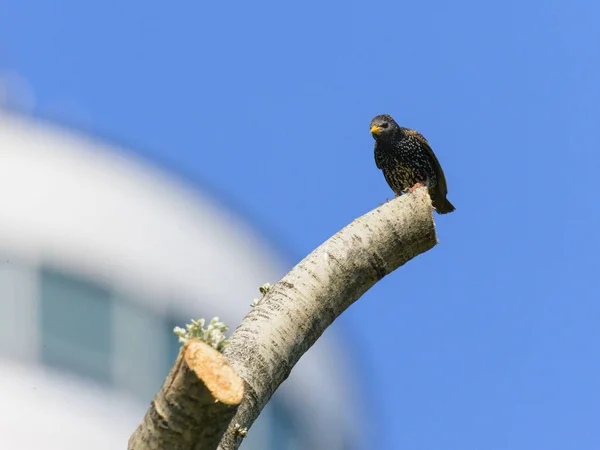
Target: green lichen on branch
(264, 289)
(213, 334)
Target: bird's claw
(387, 200)
(416, 186)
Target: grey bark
(297, 310)
(210, 400)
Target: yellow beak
(375, 129)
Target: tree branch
(297, 310)
(195, 404)
(280, 329)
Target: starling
(407, 161)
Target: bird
(408, 162)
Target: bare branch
(297, 310)
(195, 404)
(200, 397)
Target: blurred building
(101, 256)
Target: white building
(101, 255)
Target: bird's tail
(443, 206)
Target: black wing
(441, 179)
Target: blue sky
(490, 340)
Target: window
(18, 309)
(139, 353)
(275, 428)
(283, 433)
(76, 325)
(172, 340)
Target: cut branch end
(195, 405)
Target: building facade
(101, 256)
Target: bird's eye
(384, 125)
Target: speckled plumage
(406, 159)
